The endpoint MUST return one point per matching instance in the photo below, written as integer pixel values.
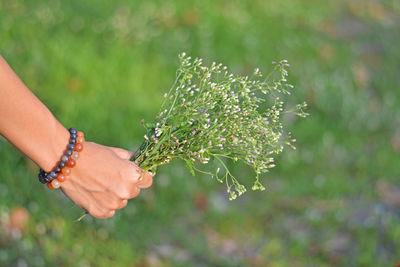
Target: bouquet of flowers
(211, 114)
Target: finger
(90, 203)
(108, 200)
(101, 214)
(122, 153)
(132, 173)
(96, 211)
(137, 170)
(146, 180)
(123, 192)
(123, 204)
(77, 196)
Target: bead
(61, 177)
(55, 183)
(69, 152)
(57, 175)
(66, 171)
(70, 147)
(42, 176)
(62, 164)
(78, 147)
(43, 179)
(80, 139)
(42, 173)
(71, 163)
(75, 155)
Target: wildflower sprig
(211, 114)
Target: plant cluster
(211, 114)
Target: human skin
(103, 179)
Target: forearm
(27, 123)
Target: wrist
(63, 168)
(54, 149)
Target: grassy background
(102, 66)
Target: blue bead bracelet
(46, 177)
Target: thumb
(122, 153)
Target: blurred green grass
(102, 66)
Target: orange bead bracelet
(54, 178)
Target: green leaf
(150, 125)
(190, 166)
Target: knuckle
(146, 184)
(135, 172)
(130, 172)
(123, 194)
(150, 179)
(103, 214)
(114, 205)
(135, 191)
(147, 176)
(122, 153)
(96, 213)
(122, 204)
(110, 213)
(147, 181)
(131, 180)
(117, 190)
(129, 190)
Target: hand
(104, 179)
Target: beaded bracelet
(54, 178)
